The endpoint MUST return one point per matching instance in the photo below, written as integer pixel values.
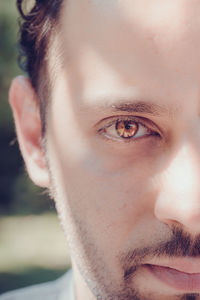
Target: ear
(25, 107)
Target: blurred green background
(32, 245)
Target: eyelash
(137, 120)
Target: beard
(180, 245)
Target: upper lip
(186, 264)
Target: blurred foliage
(28, 277)
(33, 249)
(17, 193)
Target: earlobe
(25, 107)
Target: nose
(178, 201)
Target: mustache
(181, 244)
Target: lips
(183, 264)
(178, 279)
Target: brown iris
(126, 129)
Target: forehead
(148, 45)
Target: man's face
(123, 141)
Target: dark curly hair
(36, 26)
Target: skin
(120, 200)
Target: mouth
(177, 275)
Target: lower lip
(176, 279)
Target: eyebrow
(141, 107)
(131, 105)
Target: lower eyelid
(121, 141)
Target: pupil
(127, 126)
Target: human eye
(128, 128)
